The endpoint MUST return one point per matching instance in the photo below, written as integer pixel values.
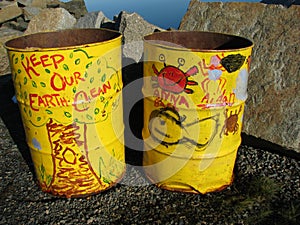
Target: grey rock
(273, 104)
(6, 34)
(17, 24)
(53, 3)
(9, 11)
(286, 3)
(51, 20)
(25, 2)
(108, 23)
(91, 20)
(133, 28)
(35, 3)
(76, 7)
(5, 3)
(29, 12)
(39, 3)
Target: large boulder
(9, 10)
(273, 105)
(29, 12)
(286, 3)
(133, 28)
(51, 20)
(6, 34)
(76, 7)
(91, 20)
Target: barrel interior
(199, 40)
(63, 38)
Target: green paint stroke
(44, 177)
(92, 79)
(34, 84)
(89, 117)
(98, 61)
(67, 114)
(115, 74)
(103, 78)
(25, 95)
(96, 111)
(48, 111)
(66, 68)
(101, 163)
(108, 174)
(83, 51)
(77, 61)
(88, 65)
(12, 57)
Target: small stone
(90, 220)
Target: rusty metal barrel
(195, 87)
(68, 86)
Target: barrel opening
(62, 39)
(198, 40)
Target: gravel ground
(265, 191)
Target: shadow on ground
(10, 114)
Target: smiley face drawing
(168, 128)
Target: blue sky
(163, 13)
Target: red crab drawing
(173, 79)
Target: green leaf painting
(34, 84)
(67, 114)
(77, 61)
(66, 67)
(103, 78)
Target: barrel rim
(154, 42)
(41, 49)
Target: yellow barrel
(195, 87)
(68, 85)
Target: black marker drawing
(164, 120)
